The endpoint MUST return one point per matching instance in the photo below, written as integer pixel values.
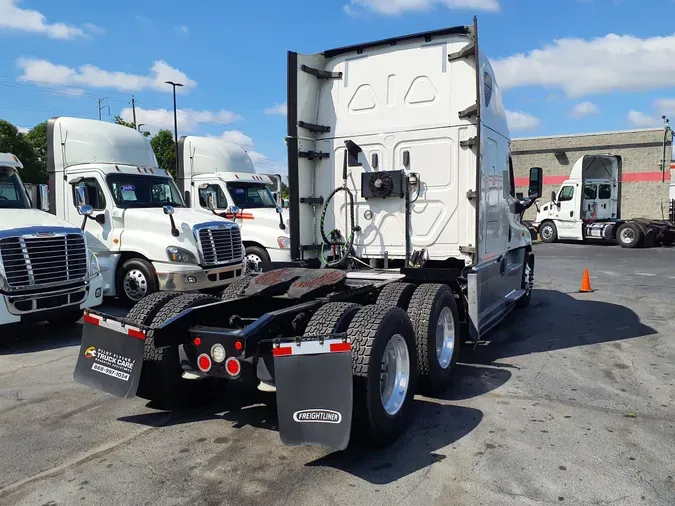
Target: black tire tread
(420, 308)
(326, 319)
(236, 288)
(362, 332)
(396, 294)
(145, 309)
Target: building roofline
(655, 129)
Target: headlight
(180, 255)
(284, 242)
(92, 264)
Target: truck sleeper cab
(144, 237)
(406, 242)
(225, 171)
(46, 270)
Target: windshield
(251, 195)
(144, 191)
(12, 192)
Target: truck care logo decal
(317, 416)
(111, 364)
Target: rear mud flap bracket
(314, 392)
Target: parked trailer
(406, 240)
(588, 206)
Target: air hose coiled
(336, 238)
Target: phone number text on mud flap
(110, 372)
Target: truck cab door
(98, 229)
(566, 212)
(202, 200)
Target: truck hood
(153, 219)
(23, 218)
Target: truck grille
(220, 245)
(32, 262)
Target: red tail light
(197, 341)
(233, 366)
(204, 362)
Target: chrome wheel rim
(528, 278)
(445, 338)
(135, 285)
(547, 232)
(394, 374)
(253, 262)
(627, 235)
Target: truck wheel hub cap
(253, 263)
(547, 232)
(394, 374)
(627, 235)
(135, 285)
(445, 338)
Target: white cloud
(94, 29)
(394, 7)
(237, 137)
(90, 76)
(182, 29)
(583, 109)
(604, 64)
(13, 17)
(665, 105)
(642, 120)
(23, 130)
(188, 119)
(520, 121)
(278, 109)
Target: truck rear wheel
(385, 373)
(332, 318)
(434, 315)
(236, 289)
(145, 309)
(629, 235)
(397, 295)
(548, 232)
(136, 279)
(161, 377)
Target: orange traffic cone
(586, 283)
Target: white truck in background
(145, 238)
(588, 206)
(46, 271)
(219, 176)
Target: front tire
(548, 232)
(161, 377)
(528, 280)
(255, 255)
(384, 361)
(434, 315)
(136, 279)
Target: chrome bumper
(199, 279)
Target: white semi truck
(588, 206)
(46, 271)
(218, 176)
(406, 240)
(145, 238)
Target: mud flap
(314, 392)
(110, 357)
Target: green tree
(37, 138)
(165, 150)
(118, 120)
(13, 141)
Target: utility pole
(175, 120)
(666, 129)
(133, 108)
(101, 108)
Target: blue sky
(565, 66)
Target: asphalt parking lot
(570, 402)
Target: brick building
(644, 188)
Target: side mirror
(233, 210)
(81, 196)
(553, 197)
(188, 203)
(85, 210)
(43, 197)
(536, 186)
(168, 210)
(519, 196)
(211, 200)
(279, 210)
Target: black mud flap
(314, 392)
(111, 356)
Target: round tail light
(233, 366)
(204, 362)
